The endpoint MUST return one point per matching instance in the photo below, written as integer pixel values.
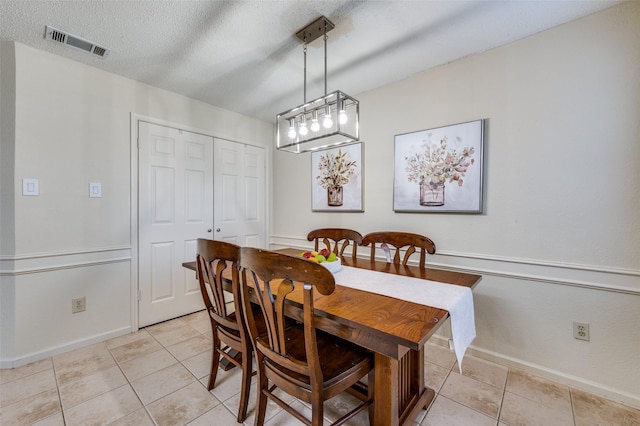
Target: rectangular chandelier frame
(322, 123)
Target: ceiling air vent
(74, 41)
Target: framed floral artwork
(337, 179)
(439, 170)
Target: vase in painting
(432, 194)
(334, 196)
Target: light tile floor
(157, 376)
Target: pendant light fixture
(326, 122)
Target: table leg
(385, 404)
(400, 392)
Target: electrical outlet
(581, 330)
(78, 305)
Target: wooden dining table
(394, 330)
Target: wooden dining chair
(399, 240)
(230, 336)
(332, 237)
(302, 361)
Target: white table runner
(456, 299)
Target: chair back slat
(408, 253)
(267, 304)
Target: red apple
(307, 254)
(325, 252)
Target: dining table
(395, 330)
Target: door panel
(175, 209)
(162, 257)
(239, 188)
(255, 200)
(239, 192)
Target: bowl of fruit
(324, 257)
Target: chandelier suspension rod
(325, 57)
(304, 49)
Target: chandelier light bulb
(303, 129)
(342, 115)
(315, 126)
(302, 126)
(292, 129)
(327, 122)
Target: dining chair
(230, 336)
(302, 361)
(332, 237)
(399, 240)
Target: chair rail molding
(29, 263)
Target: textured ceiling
(244, 56)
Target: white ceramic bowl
(334, 266)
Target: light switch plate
(95, 189)
(30, 187)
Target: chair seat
(337, 356)
(231, 337)
(262, 327)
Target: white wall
(558, 239)
(73, 126)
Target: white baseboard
(65, 347)
(546, 373)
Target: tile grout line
(55, 377)
(222, 403)
(131, 385)
(183, 365)
(177, 362)
(573, 411)
(504, 393)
